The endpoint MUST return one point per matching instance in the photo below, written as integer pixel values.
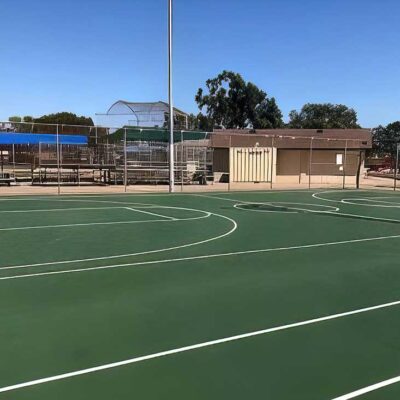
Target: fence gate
(251, 164)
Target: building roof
(41, 138)
(293, 138)
(155, 135)
(145, 108)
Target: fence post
(58, 162)
(310, 163)
(230, 166)
(344, 165)
(272, 160)
(13, 151)
(125, 163)
(181, 161)
(396, 168)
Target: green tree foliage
(323, 116)
(200, 122)
(65, 118)
(232, 102)
(386, 138)
(15, 118)
(28, 118)
(268, 115)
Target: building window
(339, 159)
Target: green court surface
(246, 295)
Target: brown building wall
(221, 160)
(296, 163)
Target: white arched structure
(124, 113)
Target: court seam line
(206, 256)
(197, 346)
(369, 389)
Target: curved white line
(139, 210)
(279, 204)
(142, 252)
(372, 199)
(368, 389)
(316, 195)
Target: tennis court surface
(274, 295)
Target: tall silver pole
(58, 163)
(170, 100)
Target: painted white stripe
(149, 194)
(368, 389)
(197, 346)
(170, 260)
(367, 217)
(151, 213)
(165, 219)
(206, 215)
(60, 209)
(21, 228)
(316, 212)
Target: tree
(232, 102)
(385, 139)
(200, 122)
(28, 118)
(65, 118)
(15, 118)
(267, 115)
(323, 116)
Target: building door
(251, 164)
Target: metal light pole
(170, 101)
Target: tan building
(315, 156)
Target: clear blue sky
(81, 56)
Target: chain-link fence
(51, 154)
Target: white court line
(315, 212)
(170, 260)
(150, 194)
(284, 204)
(368, 389)
(151, 213)
(363, 217)
(165, 219)
(195, 347)
(21, 228)
(276, 204)
(385, 204)
(206, 215)
(316, 195)
(60, 209)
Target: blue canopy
(36, 138)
